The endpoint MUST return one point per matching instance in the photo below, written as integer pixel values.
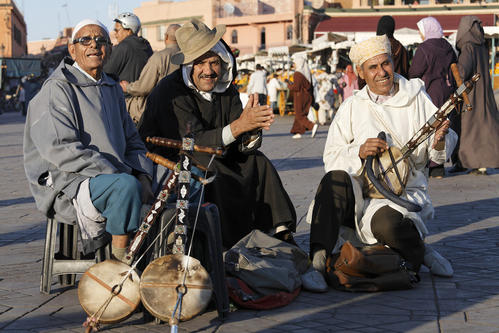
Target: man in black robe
(247, 190)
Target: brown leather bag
(370, 268)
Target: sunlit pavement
(465, 230)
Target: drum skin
(95, 288)
(390, 181)
(159, 282)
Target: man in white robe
(399, 107)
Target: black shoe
(437, 172)
(457, 168)
(286, 236)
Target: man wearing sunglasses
(83, 157)
(129, 58)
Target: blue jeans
(117, 198)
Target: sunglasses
(87, 40)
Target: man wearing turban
(399, 107)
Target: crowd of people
(85, 134)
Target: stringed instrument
(384, 176)
(110, 291)
(177, 283)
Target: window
(17, 36)
(161, 30)
(143, 32)
(262, 39)
(234, 37)
(289, 32)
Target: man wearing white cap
(248, 191)
(129, 58)
(83, 157)
(399, 107)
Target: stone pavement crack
(9, 308)
(437, 306)
(28, 312)
(53, 313)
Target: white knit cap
(369, 48)
(85, 22)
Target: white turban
(369, 48)
(86, 22)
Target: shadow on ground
(297, 163)
(16, 201)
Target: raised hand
(253, 117)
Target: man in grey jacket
(83, 157)
(157, 67)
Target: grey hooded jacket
(77, 129)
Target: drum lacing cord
(182, 288)
(92, 321)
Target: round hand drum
(159, 282)
(95, 288)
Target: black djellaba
(248, 191)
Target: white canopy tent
(407, 36)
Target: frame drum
(159, 282)
(95, 288)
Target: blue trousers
(117, 197)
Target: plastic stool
(67, 262)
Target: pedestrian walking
(431, 63)
(302, 98)
(325, 97)
(22, 99)
(479, 145)
(258, 84)
(273, 90)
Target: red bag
(245, 297)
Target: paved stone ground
(465, 229)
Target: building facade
(349, 16)
(12, 30)
(252, 25)
(40, 47)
